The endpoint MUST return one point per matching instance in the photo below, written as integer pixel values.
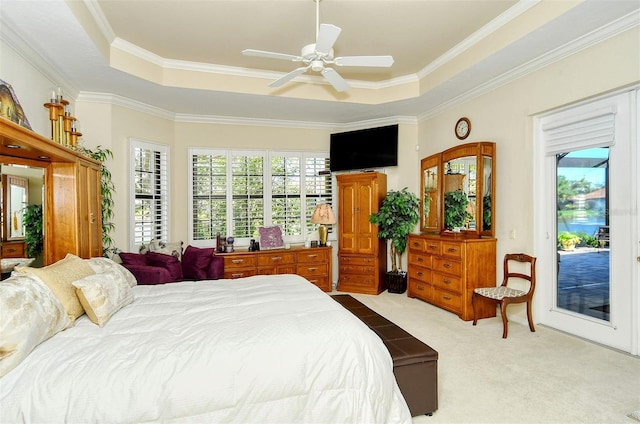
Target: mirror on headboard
(458, 190)
(15, 196)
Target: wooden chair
(505, 295)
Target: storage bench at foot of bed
(415, 364)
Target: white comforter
(260, 349)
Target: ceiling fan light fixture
(319, 54)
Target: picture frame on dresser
(271, 238)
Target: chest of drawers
(443, 271)
(312, 263)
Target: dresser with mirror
(455, 251)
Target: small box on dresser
(444, 270)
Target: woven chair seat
(499, 293)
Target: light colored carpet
(541, 377)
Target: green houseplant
(568, 240)
(396, 218)
(107, 188)
(455, 209)
(33, 234)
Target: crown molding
(116, 100)
(597, 36)
(495, 24)
(103, 24)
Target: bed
(258, 349)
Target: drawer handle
(237, 275)
(446, 281)
(446, 265)
(452, 249)
(11, 249)
(312, 256)
(420, 288)
(419, 273)
(432, 246)
(313, 269)
(415, 244)
(276, 258)
(313, 281)
(420, 259)
(345, 259)
(237, 261)
(446, 297)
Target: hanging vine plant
(107, 189)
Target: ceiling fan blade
(271, 55)
(288, 77)
(374, 61)
(335, 79)
(327, 36)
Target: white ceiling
(83, 43)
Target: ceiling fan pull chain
(317, 18)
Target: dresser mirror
(15, 197)
(458, 190)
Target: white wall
(505, 116)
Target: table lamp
(323, 215)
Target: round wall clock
(463, 128)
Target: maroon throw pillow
(133, 258)
(195, 262)
(216, 268)
(169, 262)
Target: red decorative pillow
(216, 268)
(171, 263)
(133, 258)
(195, 262)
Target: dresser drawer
(416, 244)
(419, 289)
(422, 274)
(239, 261)
(13, 250)
(357, 260)
(313, 256)
(239, 273)
(452, 250)
(420, 259)
(432, 246)
(357, 280)
(447, 282)
(312, 270)
(358, 269)
(322, 282)
(279, 258)
(447, 300)
(448, 266)
(273, 270)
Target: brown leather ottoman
(415, 364)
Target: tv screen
(364, 149)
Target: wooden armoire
(72, 202)
(362, 257)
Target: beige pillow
(102, 295)
(100, 265)
(29, 315)
(59, 276)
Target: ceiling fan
(317, 56)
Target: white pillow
(102, 295)
(29, 314)
(100, 265)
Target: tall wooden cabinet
(362, 257)
(72, 203)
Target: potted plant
(396, 218)
(33, 235)
(455, 209)
(568, 240)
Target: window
(236, 192)
(149, 192)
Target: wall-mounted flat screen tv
(364, 149)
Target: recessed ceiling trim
(507, 16)
(103, 24)
(114, 99)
